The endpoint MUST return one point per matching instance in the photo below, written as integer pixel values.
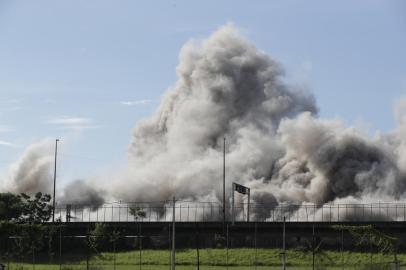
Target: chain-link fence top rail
(186, 211)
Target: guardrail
(211, 211)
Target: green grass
(213, 259)
(157, 267)
(182, 267)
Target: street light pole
(53, 203)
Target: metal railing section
(212, 211)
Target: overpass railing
(213, 211)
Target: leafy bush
(102, 237)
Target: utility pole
(224, 182)
(53, 203)
(173, 236)
(232, 204)
(248, 207)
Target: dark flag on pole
(241, 189)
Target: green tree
(36, 209)
(369, 235)
(102, 237)
(137, 212)
(11, 207)
(25, 209)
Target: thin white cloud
(76, 123)
(80, 127)
(8, 144)
(136, 102)
(66, 120)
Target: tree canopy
(23, 208)
(11, 206)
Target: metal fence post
(203, 213)
(114, 252)
(255, 246)
(173, 261)
(149, 210)
(298, 209)
(227, 246)
(169, 246)
(342, 249)
(87, 251)
(8, 252)
(330, 212)
(33, 255)
(307, 217)
(284, 245)
(60, 247)
(140, 244)
(322, 213)
(387, 211)
(396, 211)
(338, 212)
(197, 247)
(313, 246)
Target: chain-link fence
(212, 211)
(203, 246)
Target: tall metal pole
(232, 204)
(248, 209)
(53, 202)
(173, 236)
(224, 181)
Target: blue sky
(89, 70)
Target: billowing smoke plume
(226, 87)
(275, 144)
(82, 194)
(32, 172)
